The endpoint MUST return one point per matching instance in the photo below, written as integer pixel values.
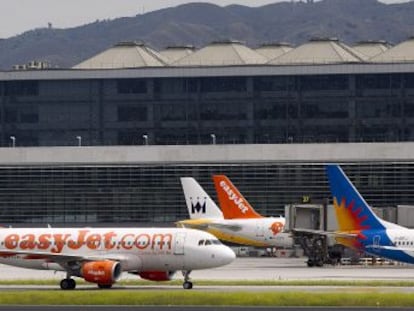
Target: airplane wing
(392, 248)
(200, 226)
(208, 225)
(59, 257)
(225, 226)
(336, 234)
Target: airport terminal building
(140, 184)
(107, 140)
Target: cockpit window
(209, 242)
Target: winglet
(199, 204)
(232, 202)
(352, 211)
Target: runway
(241, 269)
(266, 268)
(263, 268)
(188, 308)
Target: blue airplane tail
(352, 212)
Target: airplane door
(376, 241)
(179, 243)
(259, 229)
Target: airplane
(100, 255)
(237, 222)
(360, 228)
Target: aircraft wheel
(104, 286)
(187, 285)
(66, 284)
(72, 283)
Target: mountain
(200, 23)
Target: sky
(17, 16)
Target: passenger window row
(408, 243)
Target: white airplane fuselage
(266, 231)
(137, 250)
(395, 244)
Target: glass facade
(152, 194)
(187, 110)
(250, 109)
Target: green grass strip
(138, 282)
(162, 297)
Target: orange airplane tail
(232, 203)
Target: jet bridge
(319, 248)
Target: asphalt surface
(244, 269)
(296, 269)
(264, 268)
(188, 308)
(241, 269)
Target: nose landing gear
(187, 284)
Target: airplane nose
(227, 255)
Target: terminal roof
(403, 52)
(371, 48)
(174, 53)
(273, 50)
(320, 51)
(124, 55)
(222, 53)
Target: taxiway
(263, 268)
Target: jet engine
(101, 272)
(157, 275)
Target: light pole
(145, 137)
(13, 141)
(213, 138)
(79, 138)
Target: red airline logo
(276, 227)
(86, 238)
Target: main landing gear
(187, 284)
(67, 284)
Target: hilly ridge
(201, 23)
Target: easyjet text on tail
(231, 201)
